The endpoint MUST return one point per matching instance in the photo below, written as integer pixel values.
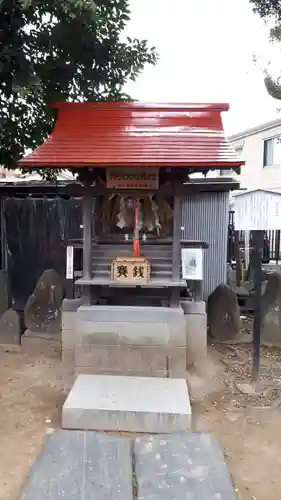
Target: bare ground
(33, 389)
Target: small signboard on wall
(132, 178)
(192, 264)
(256, 210)
(69, 262)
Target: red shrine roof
(102, 134)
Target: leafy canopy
(60, 50)
(270, 11)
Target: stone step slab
(77, 465)
(126, 403)
(183, 467)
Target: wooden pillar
(177, 236)
(176, 250)
(87, 205)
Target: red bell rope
(136, 243)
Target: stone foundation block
(114, 325)
(69, 331)
(196, 337)
(68, 359)
(124, 358)
(69, 320)
(131, 357)
(147, 340)
(177, 362)
(108, 333)
(130, 314)
(193, 307)
(69, 339)
(71, 304)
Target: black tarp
(36, 234)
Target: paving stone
(182, 467)
(77, 465)
(136, 404)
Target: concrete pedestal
(196, 330)
(135, 404)
(122, 340)
(69, 333)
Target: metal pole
(257, 268)
(277, 247)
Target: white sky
(206, 49)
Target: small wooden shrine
(133, 162)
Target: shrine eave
(114, 134)
(213, 165)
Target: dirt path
(32, 391)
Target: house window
(226, 173)
(272, 152)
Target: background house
(260, 148)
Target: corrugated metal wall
(205, 218)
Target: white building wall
(251, 150)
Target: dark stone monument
(271, 309)
(190, 466)
(42, 313)
(223, 313)
(10, 331)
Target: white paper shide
(192, 264)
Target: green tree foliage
(60, 50)
(270, 12)
(267, 8)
